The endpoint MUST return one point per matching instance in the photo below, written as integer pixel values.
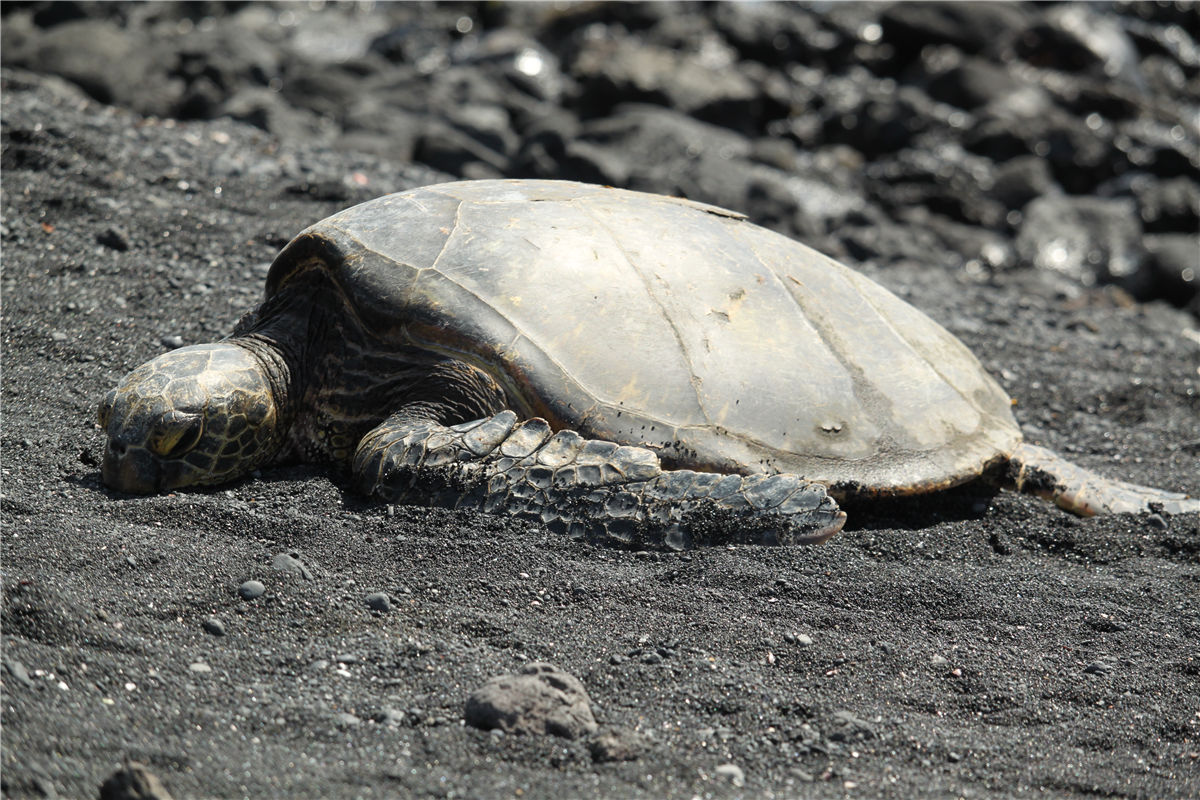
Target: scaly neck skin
(300, 336)
(332, 381)
(275, 362)
(280, 333)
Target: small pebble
(200, 667)
(387, 715)
(379, 601)
(18, 671)
(172, 342)
(1098, 668)
(732, 773)
(251, 589)
(291, 564)
(214, 626)
(346, 720)
(1157, 521)
(846, 727)
(114, 238)
(616, 744)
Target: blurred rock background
(979, 137)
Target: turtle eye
(104, 412)
(177, 433)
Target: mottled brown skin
(163, 432)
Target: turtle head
(195, 416)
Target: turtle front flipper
(589, 489)
(1048, 475)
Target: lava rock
(1075, 38)
(540, 699)
(111, 64)
(1174, 261)
(1091, 240)
(625, 70)
(775, 33)
(973, 82)
(523, 62)
(1171, 205)
(1018, 181)
(971, 27)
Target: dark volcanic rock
(774, 33)
(1090, 240)
(971, 27)
(1166, 205)
(1174, 260)
(291, 564)
(973, 82)
(1074, 38)
(1021, 179)
(706, 87)
(533, 91)
(109, 63)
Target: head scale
(195, 416)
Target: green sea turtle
(620, 366)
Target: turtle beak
(130, 469)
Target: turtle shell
(654, 320)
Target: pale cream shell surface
(652, 320)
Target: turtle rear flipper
(588, 488)
(1044, 473)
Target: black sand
(968, 644)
